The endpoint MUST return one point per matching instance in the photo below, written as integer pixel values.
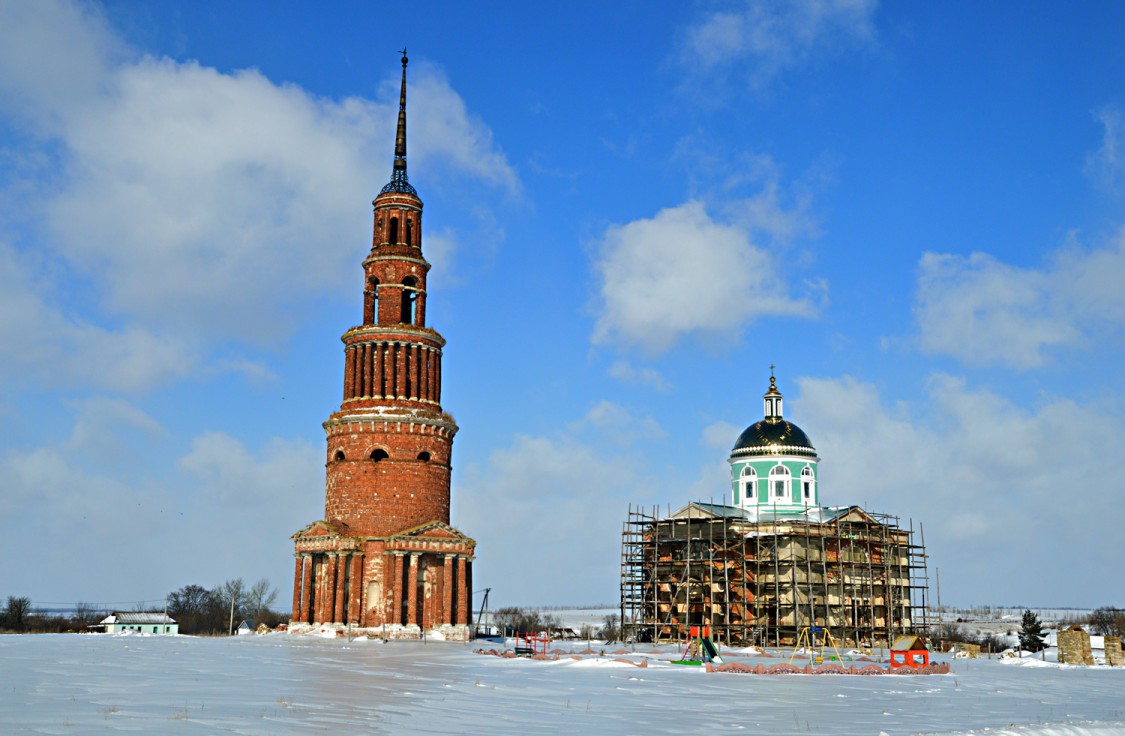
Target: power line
(96, 604)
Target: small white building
(140, 623)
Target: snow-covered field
(90, 684)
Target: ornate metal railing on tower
(399, 184)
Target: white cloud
(106, 428)
(53, 55)
(450, 138)
(624, 371)
(618, 423)
(212, 204)
(721, 436)
(1011, 499)
(773, 36)
(39, 343)
(682, 273)
(1107, 165)
(212, 515)
(226, 472)
(983, 311)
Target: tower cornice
(394, 333)
(382, 255)
(391, 415)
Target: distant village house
(140, 623)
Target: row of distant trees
(18, 616)
(196, 609)
(513, 619)
(221, 609)
(224, 607)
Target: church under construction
(775, 561)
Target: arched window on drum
(749, 483)
(808, 485)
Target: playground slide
(711, 652)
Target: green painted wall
(762, 468)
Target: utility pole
(937, 570)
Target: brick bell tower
(385, 556)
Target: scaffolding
(761, 579)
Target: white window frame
(808, 484)
(783, 493)
(749, 483)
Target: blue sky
(914, 211)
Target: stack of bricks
(1074, 647)
(1113, 655)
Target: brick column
(377, 360)
(298, 574)
(349, 373)
(447, 591)
(355, 600)
(425, 597)
(307, 591)
(325, 608)
(463, 597)
(370, 370)
(412, 590)
(434, 356)
(340, 616)
(400, 373)
(399, 590)
(417, 372)
(357, 371)
(469, 591)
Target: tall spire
(399, 182)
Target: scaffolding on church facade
(760, 579)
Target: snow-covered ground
(90, 684)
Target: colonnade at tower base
(402, 586)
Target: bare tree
(259, 598)
(84, 614)
(611, 631)
(1107, 621)
(17, 612)
(198, 610)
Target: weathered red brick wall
(381, 497)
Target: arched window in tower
(409, 231)
(379, 454)
(409, 300)
(779, 484)
(339, 457)
(394, 231)
(749, 485)
(424, 456)
(807, 484)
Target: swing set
(815, 639)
